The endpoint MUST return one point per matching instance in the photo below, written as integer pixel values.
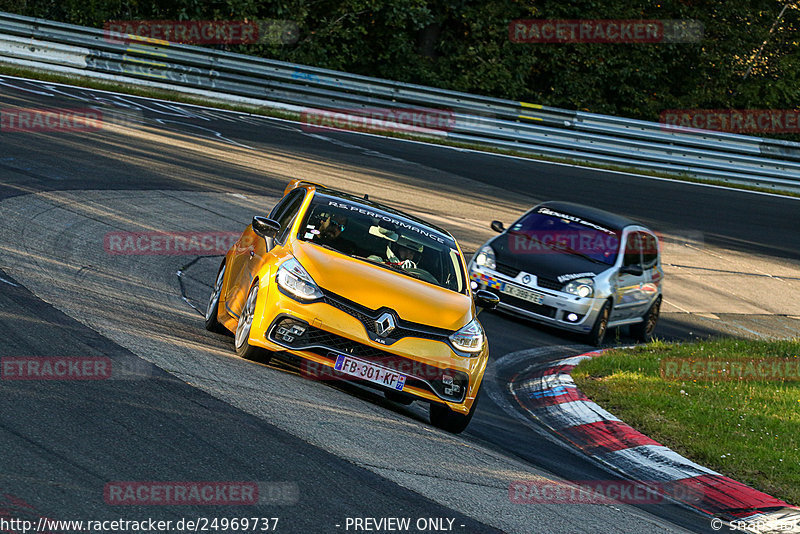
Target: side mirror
(265, 227)
(635, 270)
(486, 299)
(498, 227)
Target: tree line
(747, 57)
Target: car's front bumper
(434, 371)
(559, 309)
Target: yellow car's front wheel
(443, 417)
(241, 340)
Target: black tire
(212, 310)
(399, 398)
(598, 333)
(643, 332)
(443, 417)
(240, 340)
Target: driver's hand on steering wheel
(408, 264)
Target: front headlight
(485, 258)
(582, 287)
(296, 281)
(469, 338)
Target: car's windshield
(548, 231)
(384, 238)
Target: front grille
(507, 270)
(368, 316)
(546, 283)
(540, 309)
(363, 317)
(329, 345)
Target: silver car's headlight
(469, 338)
(485, 258)
(582, 287)
(296, 281)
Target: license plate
(370, 372)
(524, 294)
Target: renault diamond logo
(526, 279)
(384, 324)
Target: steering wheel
(422, 274)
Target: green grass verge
(177, 96)
(746, 429)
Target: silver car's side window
(633, 249)
(649, 250)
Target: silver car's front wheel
(598, 333)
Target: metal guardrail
(480, 120)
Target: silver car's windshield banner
(548, 211)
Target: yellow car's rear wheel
(212, 311)
(241, 339)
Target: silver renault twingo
(574, 267)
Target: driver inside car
(330, 228)
(403, 255)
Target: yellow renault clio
(361, 292)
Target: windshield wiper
(380, 263)
(570, 250)
(386, 266)
(327, 247)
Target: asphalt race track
(181, 407)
